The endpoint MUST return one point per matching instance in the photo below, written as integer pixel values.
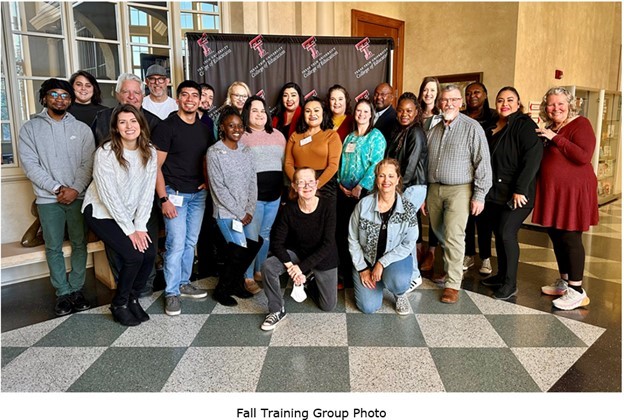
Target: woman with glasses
(268, 147)
(315, 145)
(237, 95)
(302, 242)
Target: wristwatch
(58, 190)
(164, 199)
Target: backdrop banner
(266, 62)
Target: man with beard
(205, 103)
(182, 141)
(385, 114)
(56, 151)
(459, 175)
(158, 102)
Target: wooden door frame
(358, 16)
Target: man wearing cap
(157, 101)
(56, 151)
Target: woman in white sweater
(118, 203)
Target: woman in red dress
(566, 199)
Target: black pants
(135, 266)
(569, 251)
(484, 235)
(506, 223)
(210, 244)
(344, 209)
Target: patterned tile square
(387, 305)
(188, 305)
(308, 305)
(305, 369)
(488, 305)
(458, 331)
(547, 364)
(586, 332)
(325, 329)
(482, 370)
(393, 370)
(428, 302)
(534, 331)
(48, 369)
(10, 353)
(238, 330)
(217, 369)
(129, 369)
(27, 336)
(384, 330)
(254, 305)
(83, 331)
(163, 331)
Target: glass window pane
(155, 26)
(4, 106)
(209, 7)
(208, 22)
(186, 5)
(186, 20)
(41, 16)
(29, 98)
(95, 20)
(7, 145)
(38, 56)
(108, 94)
(100, 59)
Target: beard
(449, 115)
(58, 111)
(202, 109)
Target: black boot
(123, 315)
(137, 310)
(223, 291)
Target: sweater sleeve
(482, 165)
(252, 193)
(327, 242)
(334, 148)
(377, 149)
(105, 178)
(82, 179)
(579, 147)
(31, 163)
(218, 185)
(279, 233)
(147, 199)
(289, 160)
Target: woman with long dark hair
(339, 103)
(118, 203)
(288, 109)
(88, 97)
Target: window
(186, 20)
(137, 17)
(202, 16)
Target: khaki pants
(449, 208)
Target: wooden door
(368, 24)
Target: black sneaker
(63, 305)
(505, 292)
(493, 281)
(272, 319)
(79, 301)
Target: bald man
(385, 118)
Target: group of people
(330, 196)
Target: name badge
(176, 200)
(305, 141)
(350, 148)
(237, 226)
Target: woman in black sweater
(516, 153)
(302, 242)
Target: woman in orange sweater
(315, 145)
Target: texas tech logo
(310, 46)
(363, 95)
(203, 43)
(256, 44)
(362, 47)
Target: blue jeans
(232, 236)
(396, 278)
(416, 194)
(181, 237)
(261, 224)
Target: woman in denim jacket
(382, 235)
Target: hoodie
(55, 153)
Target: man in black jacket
(385, 118)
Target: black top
(409, 147)
(101, 124)
(386, 122)
(311, 236)
(186, 146)
(85, 113)
(382, 241)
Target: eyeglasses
(128, 92)
(157, 80)
(237, 96)
(304, 184)
(56, 95)
(452, 100)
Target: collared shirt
(459, 154)
(378, 114)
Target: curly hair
(409, 96)
(573, 110)
(226, 112)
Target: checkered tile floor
(479, 344)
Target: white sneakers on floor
(571, 300)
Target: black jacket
(386, 123)
(101, 124)
(412, 154)
(516, 158)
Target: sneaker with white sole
(190, 291)
(486, 267)
(468, 262)
(172, 305)
(414, 284)
(402, 305)
(272, 320)
(571, 300)
(558, 288)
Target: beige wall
(17, 197)
(582, 39)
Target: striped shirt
(459, 154)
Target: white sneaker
(486, 267)
(414, 284)
(571, 300)
(402, 305)
(468, 262)
(558, 288)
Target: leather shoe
(123, 315)
(449, 295)
(427, 264)
(63, 305)
(137, 310)
(79, 302)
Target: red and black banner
(266, 62)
